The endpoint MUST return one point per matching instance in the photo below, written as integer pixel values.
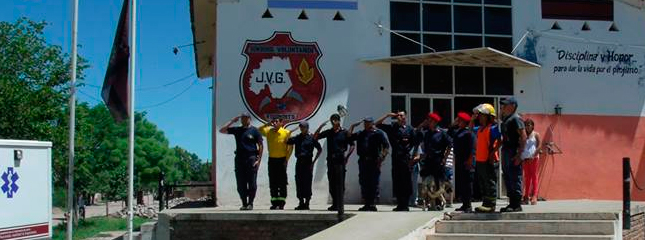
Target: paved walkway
(90, 211)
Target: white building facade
(300, 59)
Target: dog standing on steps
(432, 191)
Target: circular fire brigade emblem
(282, 78)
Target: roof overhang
(472, 57)
(203, 18)
(635, 3)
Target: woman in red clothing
(530, 157)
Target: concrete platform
(386, 224)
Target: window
(405, 16)
(402, 46)
(446, 25)
(497, 20)
(498, 2)
(419, 108)
(437, 18)
(469, 80)
(499, 81)
(443, 107)
(398, 103)
(463, 42)
(438, 42)
(601, 10)
(468, 19)
(469, 1)
(504, 44)
(466, 104)
(437, 79)
(406, 79)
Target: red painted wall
(590, 166)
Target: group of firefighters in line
(474, 141)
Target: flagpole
(72, 127)
(133, 54)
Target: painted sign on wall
(282, 78)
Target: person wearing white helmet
(486, 157)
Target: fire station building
(575, 67)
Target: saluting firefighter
(304, 144)
(436, 148)
(248, 155)
(372, 147)
(462, 141)
(339, 149)
(404, 141)
(279, 153)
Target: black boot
(301, 205)
(515, 205)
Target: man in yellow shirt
(279, 153)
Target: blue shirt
(403, 139)
(463, 144)
(370, 143)
(337, 144)
(304, 145)
(246, 139)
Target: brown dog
(432, 192)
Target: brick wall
(247, 230)
(637, 231)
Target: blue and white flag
(314, 4)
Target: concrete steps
(526, 226)
(440, 236)
(531, 216)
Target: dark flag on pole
(115, 85)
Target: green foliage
(90, 227)
(34, 96)
(59, 198)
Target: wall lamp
(558, 110)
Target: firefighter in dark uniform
(463, 144)
(338, 144)
(248, 155)
(372, 147)
(436, 148)
(404, 141)
(514, 139)
(304, 143)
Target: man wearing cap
(486, 157)
(279, 153)
(514, 139)
(436, 148)
(463, 157)
(405, 146)
(304, 144)
(371, 145)
(338, 144)
(248, 155)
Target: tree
(34, 77)
(34, 93)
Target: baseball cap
(509, 101)
(245, 114)
(304, 124)
(434, 116)
(368, 119)
(463, 116)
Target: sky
(162, 25)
